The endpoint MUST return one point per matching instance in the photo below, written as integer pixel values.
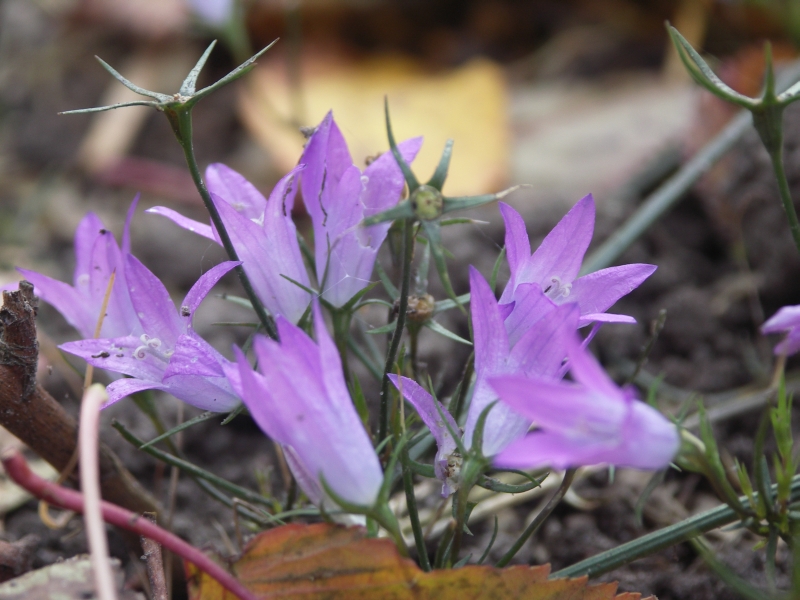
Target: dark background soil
(725, 256)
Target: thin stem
(182, 125)
(20, 473)
(194, 470)
(413, 514)
(663, 538)
(88, 436)
(786, 197)
(341, 329)
(569, 475)
(391, 355)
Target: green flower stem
(663, 538)
(413, 514)
(776, 156)
(194, 470)
(341, 330)
(394, 345)
(569, 475)
(181, 121)
(667, 196)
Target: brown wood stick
(29, 412)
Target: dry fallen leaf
(331, 562)
(468, 104)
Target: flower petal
(202, 287)
(561, 252)
(232, 187)
(518, 246)
(598, 291)
(121, 388)
(785, 319)
(435, 419)
(152, 303)
(530, 307)
(64, 298)
(118, 355)
(194, 356)
(126, 231)
(206, 393)
(385, 179)
(543, 347)
(190, 224)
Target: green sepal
(443, 305)
(238, 72)
(494, 485)
(189, 85)
(440, 174)
(402, 210)
(391, 290)
(433, 233)
(234, 413)
(350, 304)
(480, 424)
(496, 269)
(388, 328)
(462, 202)
(434, 326)
(408, 175)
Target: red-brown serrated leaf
(316, 562)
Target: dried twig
(19, 472)
(155, 565)
(34, 416)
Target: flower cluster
(524, 342)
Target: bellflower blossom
(786, 319)
(557, 261)
(588, 422)
(536, 350)
(263, 234)
(299, 398)
(338, 197)
(168, 355)
(97, 255)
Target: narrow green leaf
(80, 111)
(403, 210)
(388, 328)
(496, 269)
(185, 425)
(443, 305)
(434, 326)
(188, 87)
(462, 202)
(411, 179)
(232, 76)
(131, 86)
(440, 174)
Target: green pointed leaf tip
(702, 73)
(188, 87)
(408, 175)
(440, 174)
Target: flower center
(151, 345)
(556, 289)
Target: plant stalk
(413, 514)
(182, 126)
(394, 345)
(663, 538)
(776, 157)
(569, 475)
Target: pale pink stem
(88, 433)
(20, 473)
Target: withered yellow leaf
(468, 104)
(329, 562)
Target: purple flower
(168, 355)
(263, 233)
(299, 398)
(338, 197)
(97, 255)
(557, 261)
(537, 350)
(584, 423)
(786, 319)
